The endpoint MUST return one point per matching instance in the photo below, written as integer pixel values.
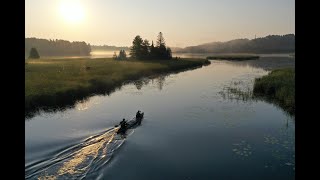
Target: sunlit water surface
(193, 129)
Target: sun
(72, 11)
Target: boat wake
(80, 160)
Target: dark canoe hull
(132, 123)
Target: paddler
(123, 124)
(138, 115)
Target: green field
(237, 57)
(279, 87)
(57, 83)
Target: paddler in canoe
(123, 126)
(139, 117)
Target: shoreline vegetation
(268, 44)
(260, 45)
(57, 47)
(237, 57)
(277, 87)
(55, 84)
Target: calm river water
(194, 128)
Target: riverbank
(278, 87)
(52, 84)
(237, 57)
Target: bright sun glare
(71, 11)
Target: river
(194, 128)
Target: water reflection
(160, 82)
(138, 84)
(82, 104)
(142, 82)
(265, 63)
(187, 117)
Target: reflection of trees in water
(230, 93)
(266, 63)
(69, 102)
(160, 80)
(83, 105)
(73, 102)
(138, 84)
(141, 82)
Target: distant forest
(268, 44)
(57, 47)
(109, 48)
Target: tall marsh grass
(279, 87)
(57, 83)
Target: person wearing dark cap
(138, 115)
(123, 125)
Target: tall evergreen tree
(152, 51)
(160, 40)
(122, 55)
(136, 49)
(161, 52)
(34, 54)
(145, 49)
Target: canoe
(130, 124)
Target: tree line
(57, 47)
(140, 49)
(268, 44)
(109, 48)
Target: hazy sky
(183, 22)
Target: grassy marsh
(278, 87)
(56, 83)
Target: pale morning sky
(182, 22)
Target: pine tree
(145, 49)
(160, 40)
(152, 51)
(136, 49)
(34, 54)
(122, 55)
(161, 52)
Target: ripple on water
(242, 149)
(281, 148)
